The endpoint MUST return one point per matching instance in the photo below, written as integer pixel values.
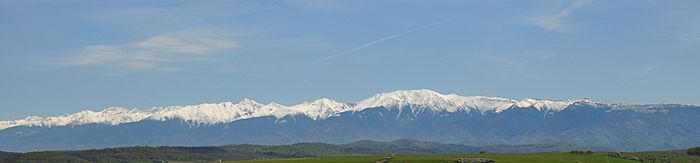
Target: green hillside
(451, 158)
(360, 151)
(675, 156)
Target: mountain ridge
(656, 127)
(225, 112)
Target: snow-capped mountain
(207, 113)
(407, 114)
(212, 113)
(452, 102)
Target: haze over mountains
(410, 114)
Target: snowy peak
(213, 113)
(248, 103)
(544, 104)
(430, 99)
(327, 103)
(411, 98)
(321, 108)
(112, 116)
(483, 103)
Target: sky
(59, 57)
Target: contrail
(368, 44)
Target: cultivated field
(428, 158)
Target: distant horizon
(346, 102)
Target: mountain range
(407, 114)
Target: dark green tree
(694, 151)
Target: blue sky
(63, 57)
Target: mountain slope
(414, 114)
(319, 109)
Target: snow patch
(213, 113)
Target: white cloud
(155, 53)
(554, 22)
(183, 45)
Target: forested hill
(250, 152)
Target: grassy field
(499, 158)
(319, 152)
(675, 156)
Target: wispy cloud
(323, 5)
(554, 22)
(153, 53)
(377, 41)
(541, 55)
(522, 66)
(648, 69)
(640, 70)
(690, 30)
